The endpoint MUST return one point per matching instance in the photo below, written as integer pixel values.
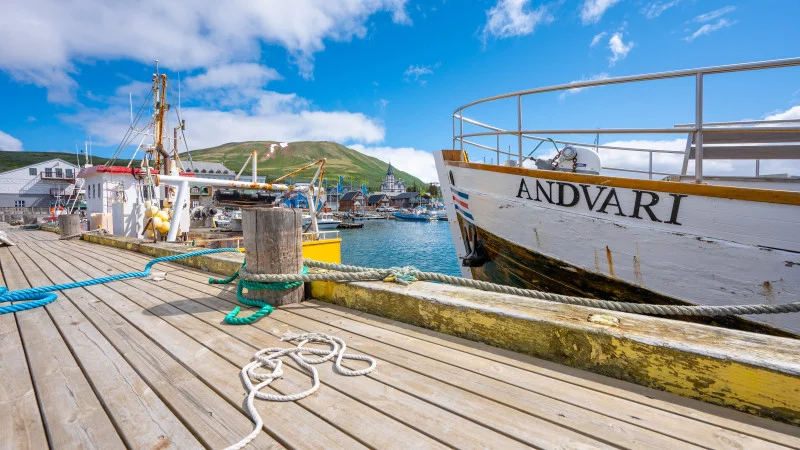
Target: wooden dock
(150, 364)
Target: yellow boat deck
(150, 364)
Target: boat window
(452, 180)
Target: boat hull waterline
(662, 239)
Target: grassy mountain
(15, 160)
(341, 161)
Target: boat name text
(602, 199)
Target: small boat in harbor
(411, 216)
(567, 224)
(325, 221)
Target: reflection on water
(428, 246)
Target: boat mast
(162, 106)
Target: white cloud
(789, 114)
(10, 143)
(510, 18)
(417, 71)
(619, 49)
(597, 76)
(593, 10)
(233, 75)
(655, 9)
(597, 38)
(416, 162)
(44, 38)
(709, 28)
(268, 116)
(707, 17)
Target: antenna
(179, 94)
(90, 149)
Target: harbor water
(428, 246)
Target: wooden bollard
(69, 224)
(273, 245)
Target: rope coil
(270, 359)
(251, 285)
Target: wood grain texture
(20, 424)
(143, 420)
(73, 415)
(69, 224)
(273, 245)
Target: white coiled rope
(270, 359)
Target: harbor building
(352, 201)
(378, 200)
(36, 185)
(215, 170)
(405, 200)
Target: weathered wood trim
(707, 190)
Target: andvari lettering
(601, 199)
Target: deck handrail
(698, 128)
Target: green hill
(354, 166)
(341, 161)
(15, 160)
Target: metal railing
(698, 129)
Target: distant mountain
(349, 163)
(341, 161)
(15, 160)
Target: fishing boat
(567, 224)
(411, 216)
(325, 221)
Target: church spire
(390, 170)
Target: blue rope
(40, 296)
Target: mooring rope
(270, 359)
(231, 318)
(40, 296)
(409, 274)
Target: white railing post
(461, 130)
(698, 134)
(519, 127)
(498, 149)
(650, 171)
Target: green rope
(231, 318)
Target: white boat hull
(690, 248)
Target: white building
(36, 185)
(390, 186)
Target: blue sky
(382, 76)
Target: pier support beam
(69, 224)
(273, 245)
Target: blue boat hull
(410, 217)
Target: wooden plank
(20, 423)
(344, 412)
(72, 413)
(504, 419)
(702, 412)
(567, 380)
(286, 421)
(141, 417)
(214, 421)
